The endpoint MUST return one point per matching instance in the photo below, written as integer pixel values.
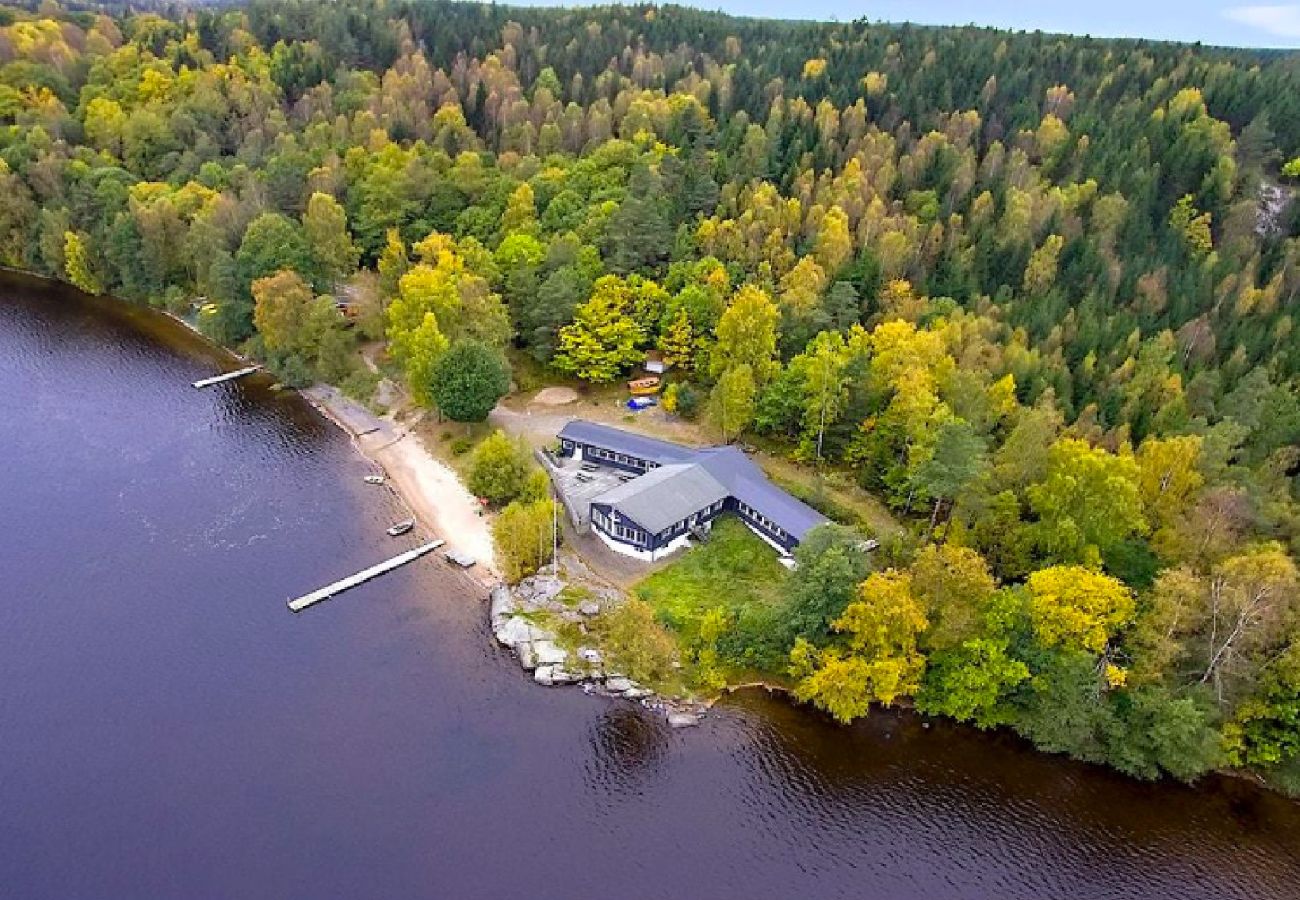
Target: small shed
(654, 363)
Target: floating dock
(229, 376)
(363, 576)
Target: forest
(1037, 293)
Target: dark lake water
(169, 729)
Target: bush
(461, 445)
(360, 384)
(686, 402)
(524, 534)
(635, 644)
(498, 469)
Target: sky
(1222, 22)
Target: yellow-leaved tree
(878, 661)
(1077, 608)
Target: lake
(169, 729)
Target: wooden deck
(343, 584)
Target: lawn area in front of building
(733, 571)
(733, 568)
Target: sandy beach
(431, 489)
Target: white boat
(374, 479)
(456, 558)
(401, 528)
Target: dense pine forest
(1038, 293)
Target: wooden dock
(363, 576)
(229, 376)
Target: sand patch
(555, 396)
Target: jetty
(343, 584)
(229, 376)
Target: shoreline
(429, 488)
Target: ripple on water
(169, 729)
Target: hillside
(1037, 293)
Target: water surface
(168, 729)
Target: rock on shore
(516, 614)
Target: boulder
(590, 655)
(589, 608)
(618, 684)
(527, 656)
(636, 692)
(502, 606)
(544, 675)
(549, 653)
(545, 588)
(517, 630)
(682, 719)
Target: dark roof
(728, 466)
(665, 496)
(747, 483)
(621, 441)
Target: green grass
(734, 569)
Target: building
(676, 490)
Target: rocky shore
(528, 617)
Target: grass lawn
(734, 569)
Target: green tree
(498, 468)
(731, 403)
(1088, 503)
(972, 683)
(523, 535)
(605, 337)
(468, 380)
(325, 227)
(272, 243)
(747, 336)
(636, 644)
(958, 458)
(1266, 728)
(830, 566)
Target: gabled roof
(748, 484)
(665, 496)
(727, 467)
(621, 441)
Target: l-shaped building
(676, 490)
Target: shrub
(635, 644)
(524, 534)
(687, 400)
(498, 469)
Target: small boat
(456, 558)
(643, 387)
(401, 528)
(374, 479)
